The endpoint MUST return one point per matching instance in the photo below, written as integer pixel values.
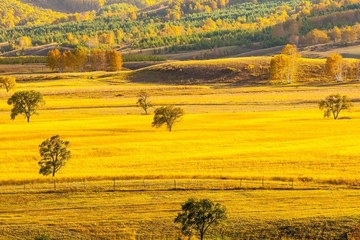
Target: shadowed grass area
(238, 71)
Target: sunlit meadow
(227, 132)
(240, 133)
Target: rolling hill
(213, 29)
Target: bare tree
(143, 101)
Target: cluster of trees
(285, 67)
(151, 31)
(14, 12)
(74, 6)
(320, 22)
(168, 115)
(80, 59)
(203, 24)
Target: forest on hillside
(178, 25)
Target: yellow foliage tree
(54, 60)
(335, 66)
(114, 60)
(285, 66)
(336, 34)
(24, 42)
(80, 56)
(317, 36)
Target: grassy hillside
(238, 71)
(170, 27)
(14, 13)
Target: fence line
(156, 185)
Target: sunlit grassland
(227, 132)
(270, 132)
(265, 214)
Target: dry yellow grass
(275, 132)
(321, 214)
(228, 132)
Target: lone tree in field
(8, 83)
(285, 66)
(199, 215)
(168, 115)
(25, 103)
(54, 155)
(333, 104)
(143, 101)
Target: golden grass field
(228, 132)
(271, 132)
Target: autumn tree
(317, 36)
(143, 101)
(97, 59)
(348, 34)
(68, 60)
(25, 103)
(114, 60)
(285, 66)
(333, 104)
(277, 68)
(8, 82)
(80, 56)
(335, 66)
(199, 216)
(167, 115)
(336, 34)
(24, 42)
(54, 60)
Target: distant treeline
(141, 58)
(41, 59)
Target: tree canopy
(167, 115)
(199, 216)
(25, 103)
(285, 66)
(334, 104)
(334, 66)
(54, 154)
